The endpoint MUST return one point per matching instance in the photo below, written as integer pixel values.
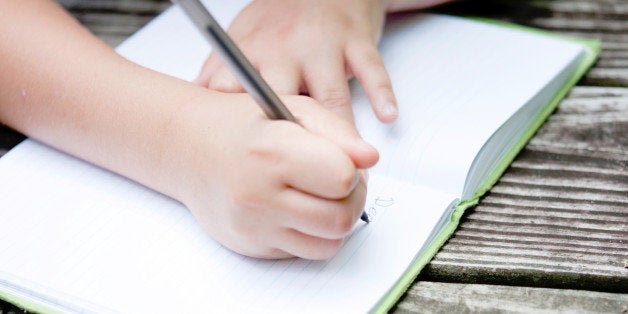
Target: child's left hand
(313, 47)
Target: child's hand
(306, 46)
(270, 188)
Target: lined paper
(456, 82)
(90, 240)
(86, 232)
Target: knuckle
(265, 153)
(245, 201)
(342, 224)
(335, 99)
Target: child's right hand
(262, 188)
(268, 188)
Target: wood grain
(436, 297)
(557, 218)
(114, 20)
(559, 215)
(605, 20)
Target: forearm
(261, 187)
(64, 87)
(404, 5)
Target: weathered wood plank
(114, 20)
(529, 12)
(607, 77)
(582, 23)
(135, 7)
(436, 297)
(559, 215)
(586, 7)
(569, 181)
(605, 20)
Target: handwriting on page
(378, 204)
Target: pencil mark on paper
(378, 204)
(384, 202)
(371, 212)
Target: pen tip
(365, 217)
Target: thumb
(315, 118)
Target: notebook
(471, 93)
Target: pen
(238, 64)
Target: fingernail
(390, 110)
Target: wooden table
(552, 235)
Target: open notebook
(75, 237)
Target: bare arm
(64, 87)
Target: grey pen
(238, 64)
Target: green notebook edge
(26, 304)
(592, 50)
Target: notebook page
(456, 81)
(72, 229)
(172, 44)
(122, 235)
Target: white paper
(81, 235)
(78, 230)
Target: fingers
(329, 219)
(366, 64)
(319, 168)
(210, 65)
(326, 82)
(284, 79)
(293, 222)
(224, 81)
(314, 228)
(308, 247)
(323, 122)
(320, 202)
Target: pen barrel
(235, 60)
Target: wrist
(194, 149)
(178, 164)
